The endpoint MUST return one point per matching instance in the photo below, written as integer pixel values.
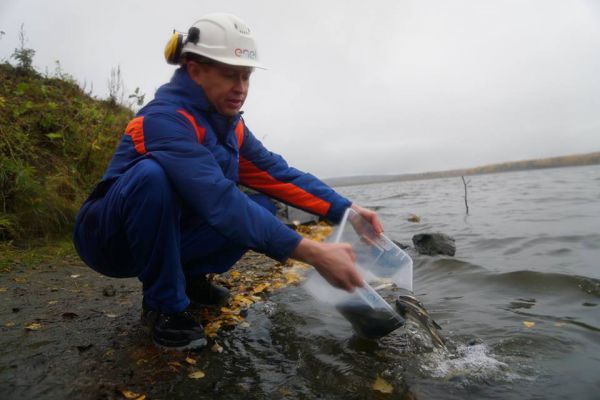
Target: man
(168, 209)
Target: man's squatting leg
(137, 229)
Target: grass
(55, 143)
(34, 253)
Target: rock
(432, 244)
(293, 216)
(289, 215)
(109, 291)
(401, 245)
(70, 315)
(84, 348)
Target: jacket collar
(183, 91)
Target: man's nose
(241, 85)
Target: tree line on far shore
(551, 162)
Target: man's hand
(334, 261)
(370, 216)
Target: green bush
(23, 55)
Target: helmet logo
(245, 53)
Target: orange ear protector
(176, 42)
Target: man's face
(225, 86)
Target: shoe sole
(193, 345)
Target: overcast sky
(356, 87)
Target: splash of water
(466, 365)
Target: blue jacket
(205, 155)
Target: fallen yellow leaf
(234, 274)
(241, 300)
(34, 326)
(382, 386)
(52, 302)
(414, 218)
(2, 289)
(217, 348)
(128, 394)
(232, 320)
(278, 285)
(239, 297)
(212, 328)
(190, 361)
(292, 277)
(9, 324)
(301, 265)
(528, 324)
(260, 288)
(197, 375)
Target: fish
(409, 307)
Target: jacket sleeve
(269, 173)
(196, 176)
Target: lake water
(519, 303)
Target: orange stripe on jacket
(239, 133)
(199, 131)
(254, 177)
(135, 129)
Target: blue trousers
(140, 228)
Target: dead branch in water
(465, 184)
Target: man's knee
(148, 173)
(147, 185)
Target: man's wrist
(306, 250)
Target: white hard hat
(224, 38)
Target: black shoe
(177, 331)
(203, 292)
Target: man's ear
(195, 71)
